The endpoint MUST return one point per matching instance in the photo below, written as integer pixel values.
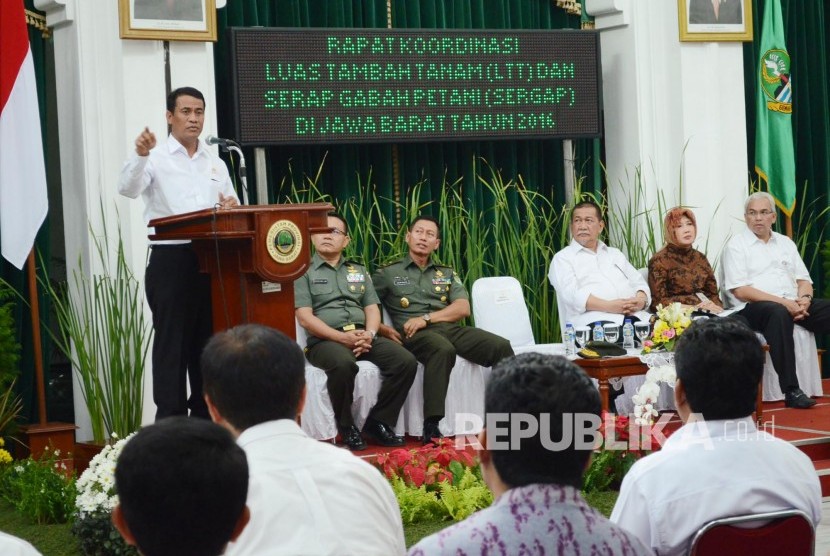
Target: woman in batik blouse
(678, 272)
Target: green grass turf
(50, 540)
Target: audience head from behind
(719, 364)
(547, 389)
(541, 419)
(252, 374)
(182, 485)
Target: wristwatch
(427, 317)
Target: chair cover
(806, 368)
(499, 307)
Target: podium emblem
(284, 241)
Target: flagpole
(37, 346)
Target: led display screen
(306, 86)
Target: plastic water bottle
(628, 334)
(599, 332)
(570, 339)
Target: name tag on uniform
(320, 281)
(401, 280)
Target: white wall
(108, 90)
(676, 111)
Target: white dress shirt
(172, 182)
(709, 470)
(772, 267)
(311, 498)
(13, 546)
(577, 272)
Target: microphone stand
(227, 145)
(242, 172)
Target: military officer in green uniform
(337, 305)
(426, 301)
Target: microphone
(213, 140)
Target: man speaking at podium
(177, 176)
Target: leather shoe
(431, 431)
(381, 433)
(352, 439)
(797, 399)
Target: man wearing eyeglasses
(336, 303)
(766, 282)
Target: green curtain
(806, 29)
(18, 279)
(432, 164)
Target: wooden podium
(253, 255)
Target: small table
(611, 367)
(617, 367)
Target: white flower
(647, 395)
(96, 485)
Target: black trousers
(179, 297)
(397, 370)
(776, 324)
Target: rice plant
(104, 333)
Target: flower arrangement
(95, 502)
(41, 489)
(671, 321)
(437, 481)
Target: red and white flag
(23, 203)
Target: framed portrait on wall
(715, 20)
(168, 20)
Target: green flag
(774, 156)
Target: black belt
(350, 327)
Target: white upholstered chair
(317, 418)
(807, 368)
(499, 307)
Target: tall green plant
(104, 332)
(636, 228)
(9, 348)
(10, 404)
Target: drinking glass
(582, 334)
(641, 330)
(612, 332)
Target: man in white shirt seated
(767, 283)
(594, 282)
(306, 497)
(717, 464)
